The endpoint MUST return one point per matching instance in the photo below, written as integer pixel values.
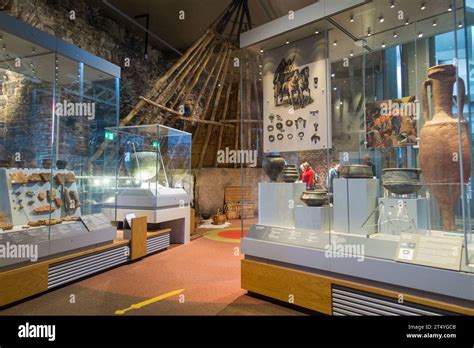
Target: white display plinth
(276, 202)
(313, 218)
(398, 215)
(354, 201)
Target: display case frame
(55, 103)
(349, 244)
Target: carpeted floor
(207, 270)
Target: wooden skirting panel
(284, 284)
(21, 283)
(313, 291)
(32, 279)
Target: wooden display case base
(21, 282)
(332, 295)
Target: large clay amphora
(439, 142)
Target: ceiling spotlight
(333, 75)
(407, 22)
(260, 66)
(450, 8)
(260, 73)
(261, 50)
(420, 34)
(395, 34)
(287, 42)
(434, 24)
(383, 45)
(351, 18)
(392, 4)
(423, 6)
(459, 25)
(368, 32)
(316, 32)
(381, 19)
(351, 54)
(334, 43)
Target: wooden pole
(214, 111)
(224, 116)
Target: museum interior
(236, 157)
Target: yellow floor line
(150, 301)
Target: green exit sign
(109, 136)
(156, 144)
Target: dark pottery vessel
(290, 173)
(401, 181)
(61, 164)
(47, 163)
(316, 198)
(352, 171)
(273, 165)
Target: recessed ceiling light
(407, 22)
(334, 43)
(316, 32)
(351, 54)
(434, 24)
(287, 42)
(260, 73)
(383, 45)
(420, 34)
(450, 8)
(423, 6)
(395, 34)
(261, 50)
(381, 19)
(460, 25)
(335, 88)
(392, 4)
(368, 32)
(340, 103)
(351, 18)
(260, 66)
(332, 75)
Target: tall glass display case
(151, 176)
(367, 136)
(55, 102)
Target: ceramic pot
(439, 155)
(290, 173)
(273, 165)
(401, 181)
(315, 198)
(46, 163)
(356, 171)
(60, 164)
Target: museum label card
(434, 251)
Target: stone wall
(211, 183)
(98, 35)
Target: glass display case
(55, 102)
(151, 173)
(367, 136)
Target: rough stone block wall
(99, 35)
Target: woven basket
(232, 211)
(236, 194)
(247, 211)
